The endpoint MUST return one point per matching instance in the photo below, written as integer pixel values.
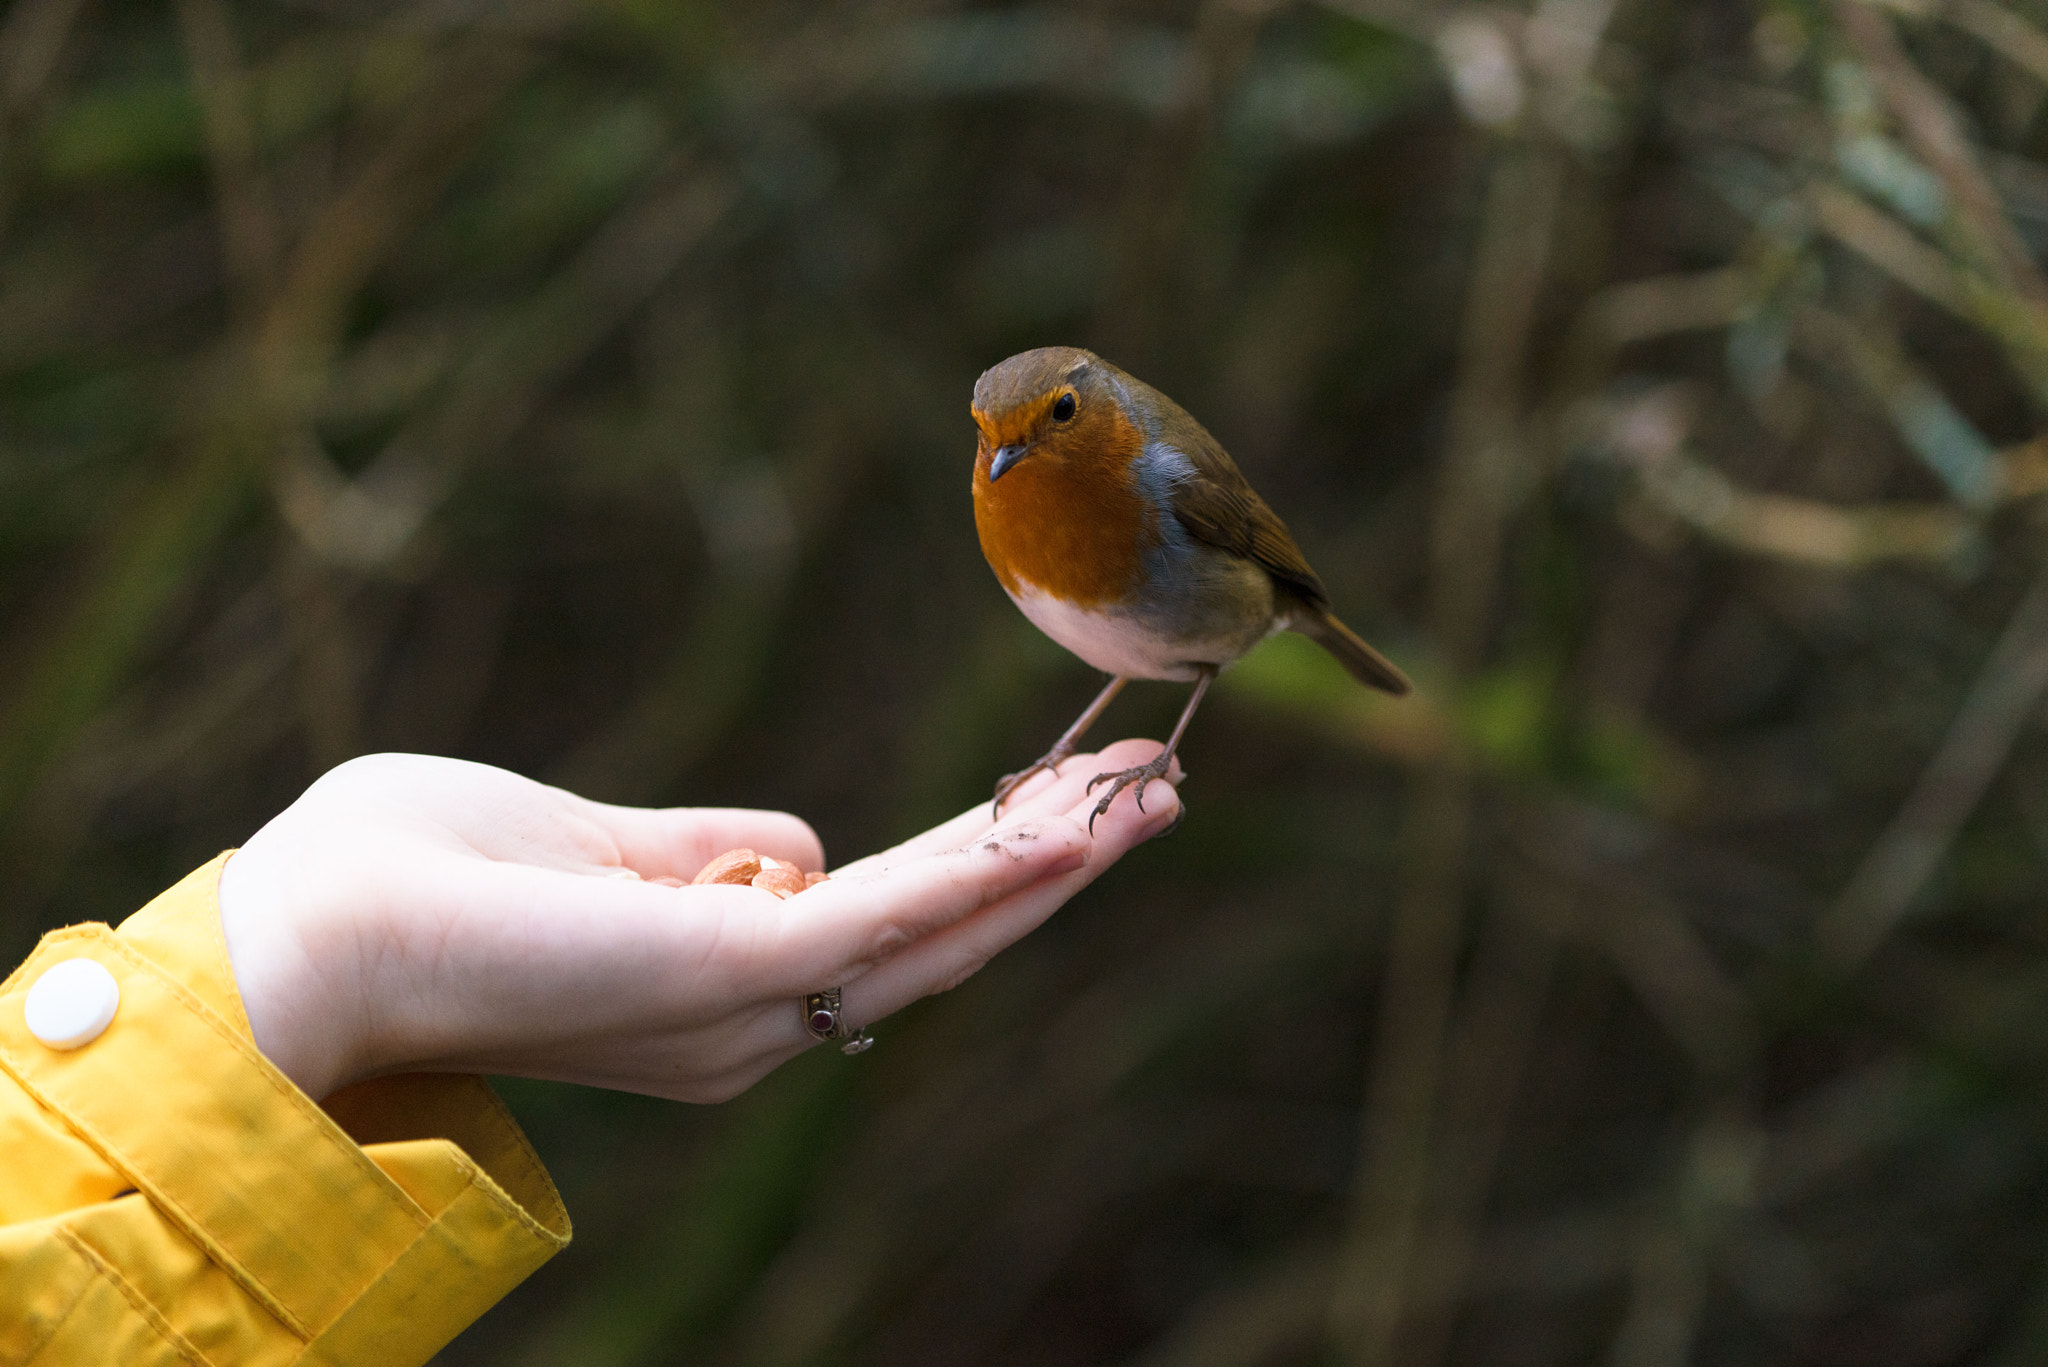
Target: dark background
(582, 388)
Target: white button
(72, 1003)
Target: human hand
(414, 914)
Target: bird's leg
(1145, 773)
(1062, 748)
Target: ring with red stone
(823, 1020)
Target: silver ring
(823, 1020)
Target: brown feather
(1220, 506)
(1360, 660)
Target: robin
(1126, 533)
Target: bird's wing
(1218, 505)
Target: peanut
(764, 871)
(782, 879)
(734, 866)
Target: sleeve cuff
(263, 1228)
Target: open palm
(411, 913)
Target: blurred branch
(2008, 691)
(1667, 1291)
(1678, 981)
(252, 249)
(1947, 443)
(1639, 310)
(1273, 1310)
(1633, 311)
(328, 655)
(1502, 65)
(1707, 1191)
(1935, 130)
(718, 1224)
(2024, 469)
(705, 678)
(1159, 298)
(1651, 943)
(251, 239)
(973, 1109)
(1649, 434)
(369, 521)
(1418, 19)
(1893, 248)
(1165, 73)
(295, 341)
(1890, 246)
(1803, 531)
(1482, 476)
(143, 740)
(1481, 479)
(1849, 1119)
(32, 39)
(2004, 32)
(1277, 1307)
(1486, 1056)
(149, 553)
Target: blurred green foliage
(581, 387)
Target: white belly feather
(1120, 643)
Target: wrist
(297, 1018)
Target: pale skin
(413, 914)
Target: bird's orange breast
(1068, 520)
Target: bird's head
(1049, 406)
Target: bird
(1126, 533)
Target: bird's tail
(1364, 664)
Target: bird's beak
(1004, 458)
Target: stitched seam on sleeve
(67, 933)
(35, 1349)
(177, 1342)
(478, 1180)
(157, 1196)
(529, 1162)
(323, 1124)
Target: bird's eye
(1063, 408)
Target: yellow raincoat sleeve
(167, 1196)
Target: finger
(839, 927)
(675, 842)
(1045, 795)
(949, 956)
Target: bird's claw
(1010, 783)
(1123, 779)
